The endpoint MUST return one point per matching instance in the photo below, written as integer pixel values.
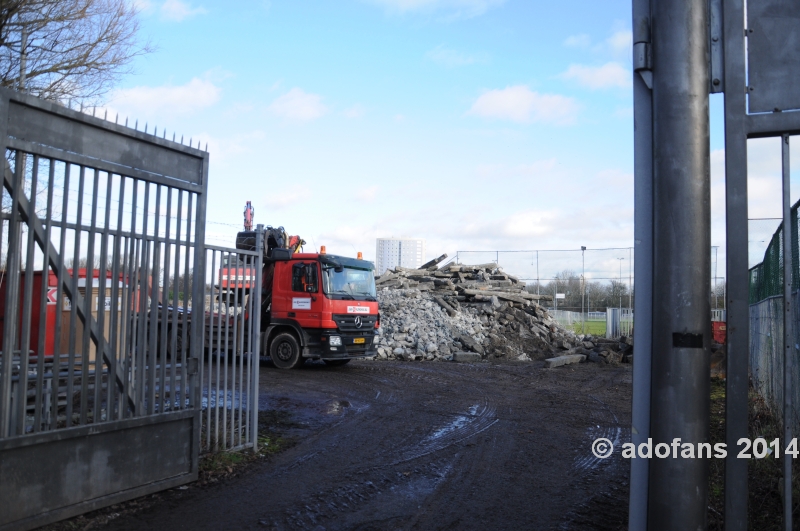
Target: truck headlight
(336, 341)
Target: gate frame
(94, 459)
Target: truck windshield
(349, 283)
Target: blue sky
(475, 124)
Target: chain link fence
(766, 322)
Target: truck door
(306, 300)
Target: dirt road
(385, 445)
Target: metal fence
(610, 324)
(102, 230)
(231, 341)
(766, 297)
(766, 355)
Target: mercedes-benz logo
(358, 321)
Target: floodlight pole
(620, 291)
(680, 402)
(583, 287)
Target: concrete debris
(470, 313)
(564, 360)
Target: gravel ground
(502, 445)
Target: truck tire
(285, 351)
(336, 363)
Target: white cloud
(621, 43)
(454, 8)
(177, 10)
(452, 58)
(578, 41)
(356, 111)
(287, 198)
(367, 194)
(522, 105)
(166, 100)
(298, 105)
(596, 77)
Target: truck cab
(319, 306)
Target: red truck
(315, 305)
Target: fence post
(255, 354)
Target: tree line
(601, 295)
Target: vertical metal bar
(187, 350)
(198, 289)
(43, 302)
(217, 328)
(156, 386)
(133, 294)
(736, 258)
(117, 309)
(680, 400)
(143, 382)
(152, 312)
(788, 333)
(245, 281)
(209, 322)
(58, 353)
(87, 311)
(237, 354)
(165, 315)
(27, 310)
(255, 352)
(177, 285)
(11, 302)
(101, 310)
(73, 316)
(247, 336)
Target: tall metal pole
(788, 334)
(630, 279)
(583, 287)
(620, 289)
(680, 403)
(716, 298)
(643, 240)
(538, 281)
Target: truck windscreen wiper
(343, 293)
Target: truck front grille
(347, 322)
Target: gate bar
(736, 236)
(643, 240)
(788, 333)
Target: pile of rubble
(469, 311)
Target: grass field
(595, 328)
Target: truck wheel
(285, 351)
(336, 363)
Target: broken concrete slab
(564, 360)
(466, 357)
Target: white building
(393, 252)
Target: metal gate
(231, 336)
(102, 258)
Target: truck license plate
(358, 340)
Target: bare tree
(67, 49)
